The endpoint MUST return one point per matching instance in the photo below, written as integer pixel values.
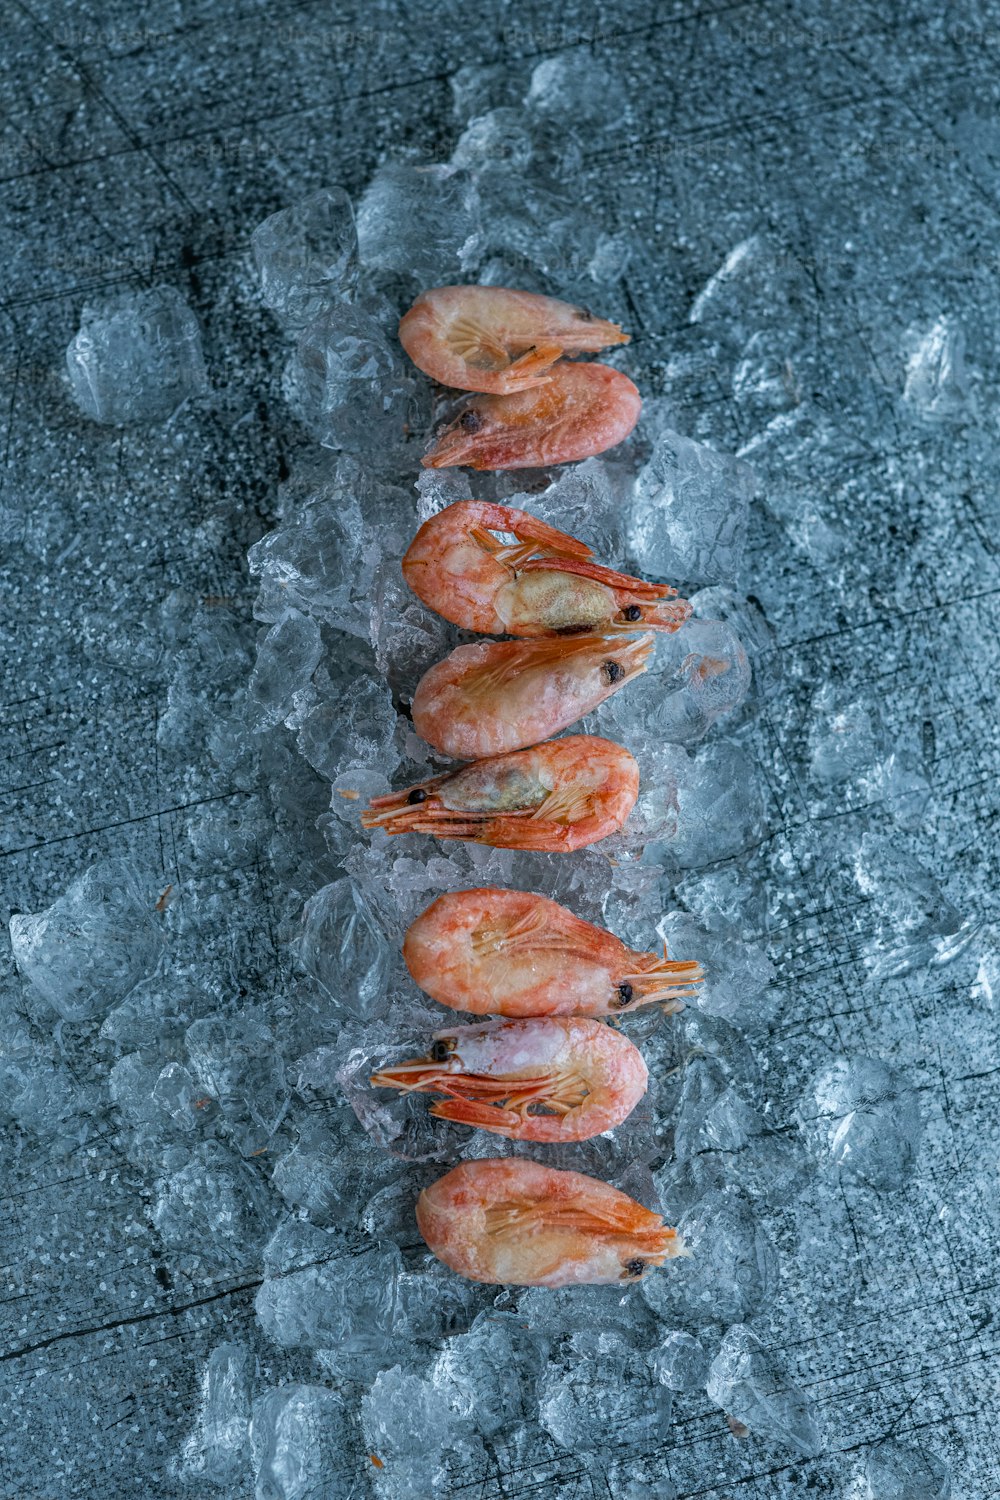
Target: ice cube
(334, 1296)
(579, 91)
(342, 724)
(216, 1450)
(914, 921)
(214, 1208)
(845, 739)
(695, 810)
(765, 379)
(902, 1471)
(236, 1059)
(680, 1362)
(343, 948)
(475, 85)
(737, 973)
(348, 387)
(589, 501)
(411, 1427)
(176, 1092)
(301, 1440)
(600, 1391)
(286, 659)
(863, 1117)
(407, 636)
(532, 232)
(937, 387)
(86, 951)
(137, 357)
(307, 257)
(41, 1093)
(422, 221)
(490, 1372)
(696, 675)
(690, 513)
(733, 1267)
(761, 285)
(322, 563)
(750, 1384)
(311, 1176)
(494, 142)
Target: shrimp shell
(549, 1079)
(582, 409)
(554, 797)
(491, 951)
(496, 696)
(493, 339)
(514, 1222)
(543, 583)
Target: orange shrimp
(582, 409)
(511, 953)
(496, 696)
(512, 1221)
(489, 338)
(556, 797)
(542, 583)
(550, 1078)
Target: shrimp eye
(417, 795)
(635, 1267)
(632, 612)
(614, 671)
(470, 421)
(623, 995)
(440, 1050)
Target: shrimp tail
(530, 369)
(526, 527)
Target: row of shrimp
(550, 1069)
(533, 403)
(583, 633)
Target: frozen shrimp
(582, 409)
(515, 1222)
(489, 338)
(496, 696)
(556, 797)
(541, 583)
(550, 1079)
(511, 953)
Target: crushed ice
(249, 1110)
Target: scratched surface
(145, 146)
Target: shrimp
(496, 696)
(579, 411)
(511, 953)
(515, 1222)
(542, 583)
(548, 1079)
(489, 338)
(556, 797)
